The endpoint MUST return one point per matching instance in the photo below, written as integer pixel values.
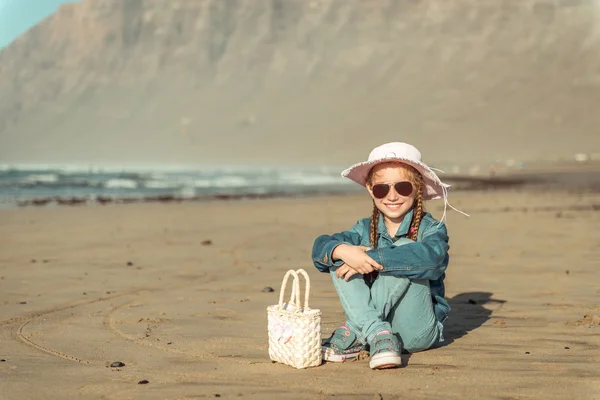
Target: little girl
(389, 269)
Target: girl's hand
(345, 272)
(356, 258)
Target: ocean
(75, 184)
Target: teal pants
(391, 303)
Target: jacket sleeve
(427, 259)
(325, 244)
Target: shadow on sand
(468, 313)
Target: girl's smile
(393, 206)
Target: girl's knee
(422, 341)
(386, 285)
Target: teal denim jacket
(427, 258)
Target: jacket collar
(402, 230)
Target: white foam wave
(40, 178)
(202, 183)
(120, 184)
(161, 184)
(230, 181)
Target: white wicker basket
(294, 331)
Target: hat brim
(434, 188)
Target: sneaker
(385, 351)
(343, 345)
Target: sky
(17, 16)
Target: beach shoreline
(45, 189)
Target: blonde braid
(418, 209)
(374, 225)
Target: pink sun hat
(407, 154)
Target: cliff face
(302, 80)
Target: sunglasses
(403, 188)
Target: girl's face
(393, 205)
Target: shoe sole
(332, 357)
(385, 360)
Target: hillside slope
(302, 81)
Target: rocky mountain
(301, 81)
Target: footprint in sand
(225, 314)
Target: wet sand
(175, 292)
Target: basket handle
(306, 290)
(295, 289)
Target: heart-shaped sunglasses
(380, 190)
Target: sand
(175, 292)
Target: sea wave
(52, 180)
(40, 179)
(121, 184)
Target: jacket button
(325, 259)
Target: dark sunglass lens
(380, 190)
(404, 188)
